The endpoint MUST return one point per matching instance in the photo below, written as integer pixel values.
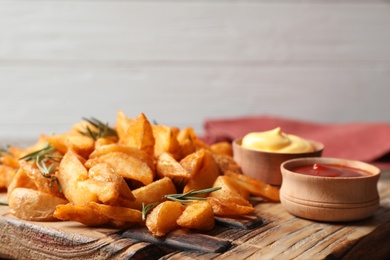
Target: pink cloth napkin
(367, 142)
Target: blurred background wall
(183, 62)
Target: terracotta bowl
(265, 166)
(331, 199)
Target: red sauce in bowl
(326, 170)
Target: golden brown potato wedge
(9, 160)
(80, 213)
(104, 173)
(20, 180)
(78, 188)
(116, 212)
(43, 184)
(187, 147)
(193, 162)
(80, 144)
(222, 148)
(231, 199)
(206, 176)
(256, 187)
(230, 190)
(224, 207)
(163, 217)
(71, 171)
(187, 133)
(7, 173)
(165, 140)
(122, 123)
(198, 215)
(226, 163)
(102, 141)
(33, 205)
(186, 138)
(139, 134)
(131, 151)
(154, 192)
(129, 167)
(96, 191)
(167, 166)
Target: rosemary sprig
(103, 130)
(182, 197)
(43, 156)
(45, 152)
(191, 195)
(146, 209)
(48, 172)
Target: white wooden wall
(182, 62)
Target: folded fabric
(363, 141)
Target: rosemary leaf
(44, 169)
(41, 157)
(146, 209)
(39, 154)
(189, 196)
(92, 134)
(103, 130)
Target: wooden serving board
(271, 233)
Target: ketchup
(325, 170)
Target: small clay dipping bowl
(265, 166)
(330, 199)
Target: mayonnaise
(276, 141)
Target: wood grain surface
(279, 235)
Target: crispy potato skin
(21, 180)
(152, 193)
(130, 151)
(139, 134)
(7, 173)
(224, 207)
(127, 166)
(34, 205)
(79, 188)
(43, 184)
(163, 218)
(80, 213)
(165, 140)
(198, 215)
(168, 166)
(222, 148)
(231, 199)
(80, 144)
(206, 175)
(116, 213)
(256, 187)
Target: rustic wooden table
(279, 236)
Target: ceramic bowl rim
(376, 172)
